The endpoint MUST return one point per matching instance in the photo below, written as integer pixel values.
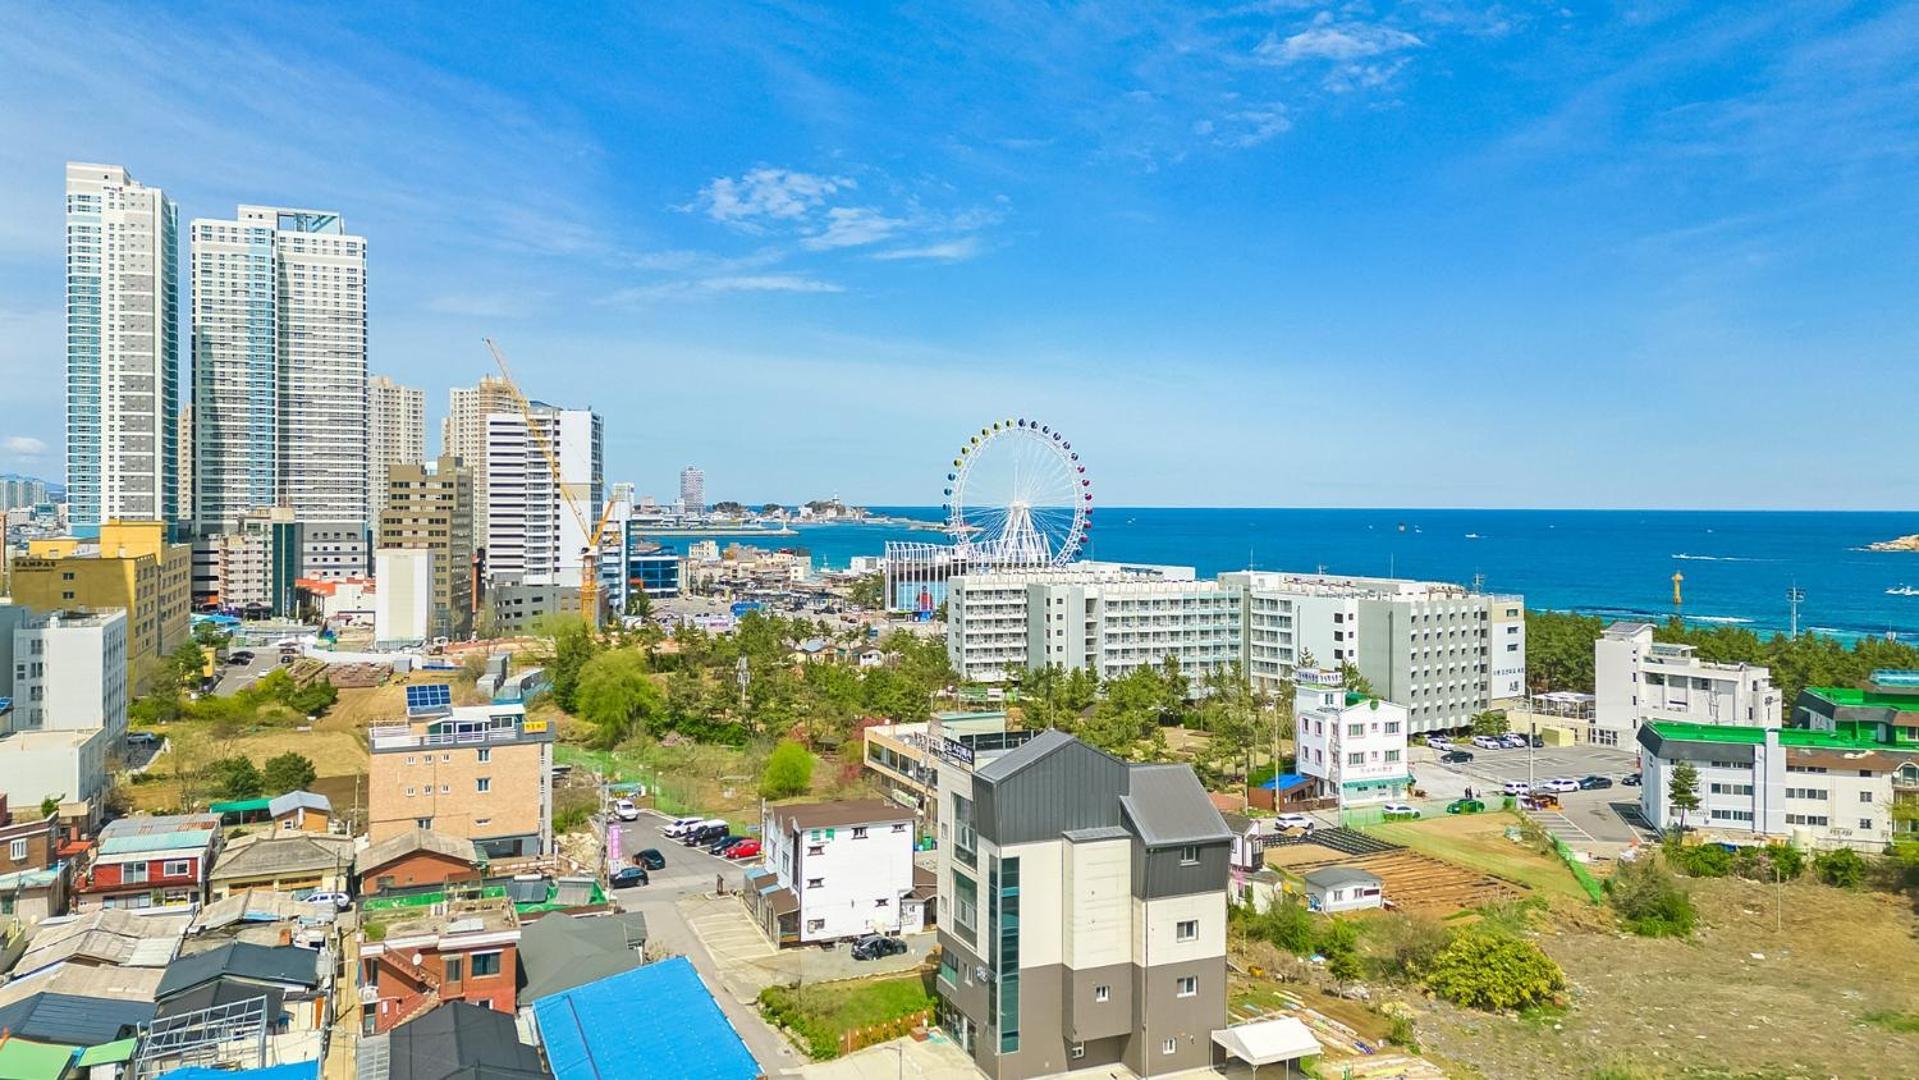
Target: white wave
(1719, 558)
(1729, 619)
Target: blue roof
(1284, 781)
(653, 1021)
(298, 1070)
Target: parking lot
(237, 677)
(1603, 816)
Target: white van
(679, 825)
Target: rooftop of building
(451, 917)
(113, 936)
(1166, 803)
(560, 952)
(1843, 695)
(286, 964)
(388, 851)
(1740, 735)
(461, 1040)
(274, 854)
(158, 823)
(1337, 877)
(832, 815)
(1348, 585)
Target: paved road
(235, 679)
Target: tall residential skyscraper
(463, 433)
(692, 489)
(279, 367)
(396, 434)
(183, 502)
(531, 536)
(123, 348)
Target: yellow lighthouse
(1677, 599)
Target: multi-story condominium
(1637, 679)
(183, 466)
(396, 435)
(834, 871)
(482, 773)
(692, 490)
(1354, 746)
(133, 567)
(1083, 911)
(279, 367)
(254, 568)
(403, 596)
(334, 550)
(463, 434)
(1442, 650)
(66, 674)
(22, 492)
(431, 508)
(123, 349)
(1108, 620)
(531, 535)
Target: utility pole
(1794, 597)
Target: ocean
(1738, 565)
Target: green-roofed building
(23, 1060)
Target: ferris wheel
(1019, 496)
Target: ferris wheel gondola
(1018, 495)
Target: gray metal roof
(560, 952)
(73, 1020)
(1333, 877)
(458, 1039)
(283, 964)
(1097, 832)
(282, 804)
(1032, 750)
(1167, 805)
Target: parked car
(1400, 810)
(1487, 742)
(1557, 784)
(876, 946)
(1294, 821)
(650, 858)
(1455, 757)
(239, 659)
(678, 826)
(1594, 782)
(746, 849)
(338, 901)
(625, 810)
(722, 842)
(1465, 806)
(1631, 779)
(1538, 741)
(1513, 740)
(628, 876)
(1514, 787)
(707, 835)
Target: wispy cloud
(764, 193)
(501, 304)
(25, 446)
(1329, 39)
(853, 226)
(958, 250)
(707, 288)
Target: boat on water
(1903, 590)
(1472, 536)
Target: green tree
(1351, 678)
(1840, 867)
(638, 604)
(572, 645)
(618, 697)
(1682, 790)
(209, 636)
(237, 778)
(789, 771)
(1484, 969)
(291, 771)
(1338, 942)
(868, 591)
(1490, 722)
(50, 806)
(188, 665)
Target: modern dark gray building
(1083, 914)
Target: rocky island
(1903, 543)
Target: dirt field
(1479, 841)
(1414, 882)
(1711, 1006)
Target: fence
(1594, 891)
(874, 1034)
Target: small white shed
(1343, 888)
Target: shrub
(1774, 861)
(1404, 946)
(1285, 924)
(1700, 860)
(236, 778)
(789, 771)
(1842, 867)
(290, 771)
(1338, 941)
(1401, 1034)
(1650, 901)
(1482, 969)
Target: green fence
(1587, 881)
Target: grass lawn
(820, 1015)
(1479, 841)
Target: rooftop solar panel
(429, 699)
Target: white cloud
(1250, 127)
(1327, 39)
(853, 226)
(777, 194)
(720, 285)
(957, 250)
(24, 446)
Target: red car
(745, 849)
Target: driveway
(234, 679)
(938, 1058)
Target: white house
(1637, 680)
(839, 870)
(1354, 745)
(1342, 888)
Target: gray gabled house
(1084, 911)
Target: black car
(1455, 757)
(722, 842)
(1631, 779)
(650, 858)
(628, 876)
(875, 946)
(1594, 783)
(1538, 741)
(703, 837)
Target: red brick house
(413, 960)
(26, 845)
(415, 859)
(143, 862)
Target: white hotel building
(1354, 745)
(1637, 680)
(531, 535)
(1105, 618)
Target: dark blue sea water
(1738, 566)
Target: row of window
(482, 785)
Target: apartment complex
(66, 675)
(1353, 745)
(531, 535)
(431, 509)
(834, 871)
(692, 490)
(1108, 620)
(1443, 651)
(254, 568)
(463, 434)
(22, 492)
(1084, 911)
(482, 773)
(123, 348)
(133, 567)
(396, 435)
(279, 367)
(1637, 680)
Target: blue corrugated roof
(298, 1070)
(1284, 781)
(652, 1021)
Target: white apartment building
(838, 870)
(1442, 650)
(67, 677)
(403, 594)
(531, 535)
(1637, 679)
(279, 367)
(1103, 618)
(123, 348)
(396, 435)
(1083, 911)
(463, 433)
(692, 490)
(1354, 745)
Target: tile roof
(1168, 806)
(85, 980)
(394, 848)
(262, 855)
(67, 1018)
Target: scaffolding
(229, 1036)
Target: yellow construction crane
(590, 558)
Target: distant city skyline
(1424, 255)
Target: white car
(625, 810)
(1400, 809)
(1557, 784)
(338, 901)
(679, 826)
(1487, 742)
(1294, 821)
(1515, 787)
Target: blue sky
(1424, 254)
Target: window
(1865, 823)
(814, 882)
(1731, 789)
(949, 967)
(1102, 993)
(1739, 815)
(133, 873)
(486, 754)
(881, 902)
(1817, 820)
(446, 758)
(1817, 794)
(423, 823)
(1169, 1046)
(446, 789)
(966, 903)
(17, 850)
(1864, 796)
(455, 968)
(1354, 731)
(816, 849)
(1357, 757)
(483, 784)
(900, 828)
(486, 963)
(482, 822)
(859, 832)
(176, 868)
(1187, 930)
(1188, 985)
(1189, 855)
(1392, 755)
